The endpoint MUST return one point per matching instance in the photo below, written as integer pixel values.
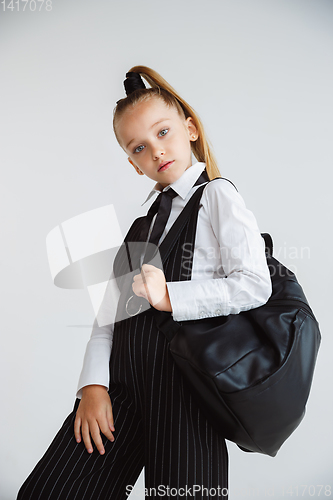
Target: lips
(165, 165)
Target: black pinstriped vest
(177, 265)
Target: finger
(105, 429)
(96, 436)
(77, 426)
(137, 285)
(86, 436)
(145, 285)
(111, 420)
(147, 294)
(139, 290)
(148, 267)
(109, 416)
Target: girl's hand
(93, 415)
(151, 284)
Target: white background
(259, 73)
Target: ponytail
(137, 92)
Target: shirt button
(218, 311)
(202, 314)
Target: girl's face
(152, 134)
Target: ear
(191, 128)
(136, 168)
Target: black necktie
(162, 205)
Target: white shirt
(229, 272)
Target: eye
(162, 133)
(164, 130)
(136, 149)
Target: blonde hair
(161, 89)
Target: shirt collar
(182, 185)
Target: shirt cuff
(189, 299)
(95, 366)
(196, 299)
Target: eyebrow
(159, 121)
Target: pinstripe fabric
(158, 424)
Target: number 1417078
(24, 5)
(305, 490)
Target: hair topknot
(133, 82)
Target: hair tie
(133, 82)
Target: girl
(132, 402)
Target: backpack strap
(174, 232)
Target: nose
(157, 151)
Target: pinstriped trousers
(158, 425)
